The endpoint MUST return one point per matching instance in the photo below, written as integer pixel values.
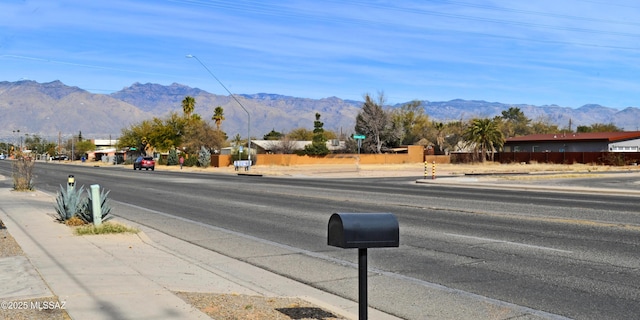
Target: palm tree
(218, 116)
(188, 105)
(485, 134)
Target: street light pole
(234, 98)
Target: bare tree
(283, 146)
(376, 124)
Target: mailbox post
(363, 231)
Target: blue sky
(569, 52)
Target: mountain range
(53, 108)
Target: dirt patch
(8, 246)
(231, 307)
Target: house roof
(270, 144)
(295, 145)
(588, 136)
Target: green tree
(188, 105)
(542, 126)
(599, 127)
(273, 135)
(4, 148)
(318, 144)
(300, 134)
(412, 120)
(484, 134)
(168, 133)
(453, 136)
(172, 158)
(237, 140)
(515, 123)
(218, 116)
(38, 145)
(136, 136)
(201, 134)
(75, 147)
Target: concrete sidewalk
(130, 276)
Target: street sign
(359, 136)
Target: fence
(606, 158)
(415, 154)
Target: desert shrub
(105, 228)
(172, 158)
(191, 161)
(615, 159)
(316, 149)
(75, 221)
(22, 174)
(204, 157)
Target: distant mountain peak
(35, 107)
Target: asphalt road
(551, 254)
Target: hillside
(50, 108)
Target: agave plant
(86, 213)
(69, 202)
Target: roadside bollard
(433, 171)
(71, 182)
(96, 208)
(426, 169)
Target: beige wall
(439, 159)
(415, 154)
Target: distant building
(104, 143)
(106, 151)
(576, 142)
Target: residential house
(627, 141)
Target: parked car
(60, 157)
(144, 162)
(2, 156)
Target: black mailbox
(363, 230)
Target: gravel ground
(231, 307)
(217, 306)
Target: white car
(2, 156)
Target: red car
(144, 162)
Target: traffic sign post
(359, 137)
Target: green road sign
(359, 136)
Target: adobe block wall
(415, 154)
